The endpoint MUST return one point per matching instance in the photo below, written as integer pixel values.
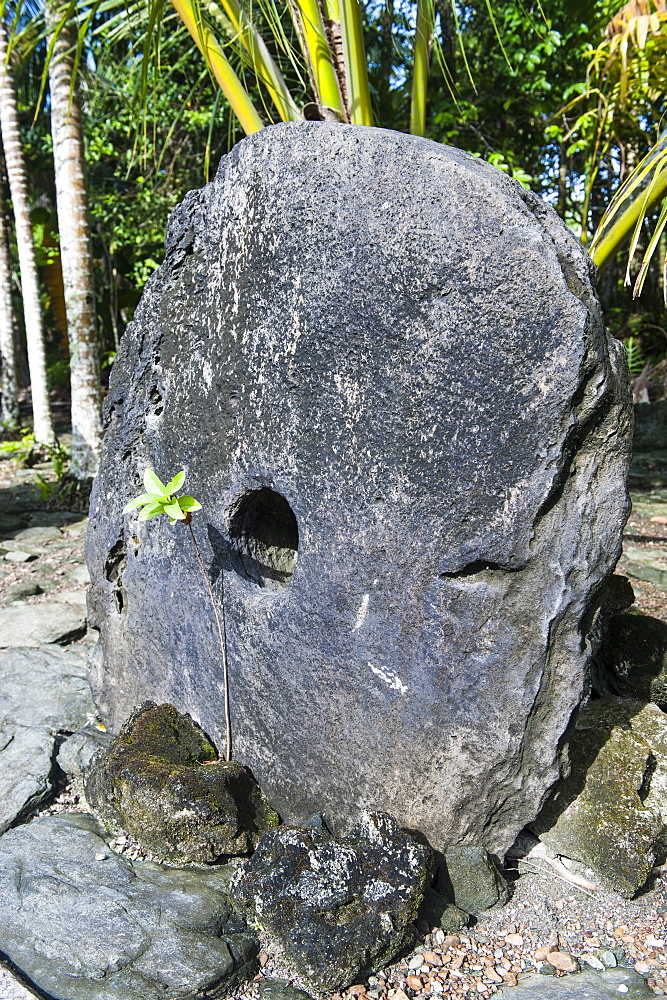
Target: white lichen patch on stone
(390, 678)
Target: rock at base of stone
(610, 811)
(26, 762)
(77, 751)
(280, 989)
(632, 660)
(469, 877)
(337, 909)
(82, 923)
(583, 986)
(162, 781)
(436, 911)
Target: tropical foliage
(568, 96)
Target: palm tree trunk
(9, 386)
(11, 141)
(73, 226)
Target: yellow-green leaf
(174, 511)
(152, 484)
(175, 484)
(188, 503)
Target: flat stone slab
(613, 983)
(33, 625)
(46, 687)
(82, 923)
(412, 437)
(42, 691)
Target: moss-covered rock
(338, 909)
(469, 877)
(162, 781)
(610, 811)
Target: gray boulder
(412, 436)
(337, 909)
(82, 923)
(42, 692)
(162, 781)
(77, 751)
(469, 877)
(610, 810)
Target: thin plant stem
(222, 632)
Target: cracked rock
(337, 909)
(610, 810)
(412, 438)
(59, 700)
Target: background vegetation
(567, 96)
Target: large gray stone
(36, 624)
(44, 687)
(26, 765)
(82, 923)
(382, 364)
(42, 692)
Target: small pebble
(593, 961)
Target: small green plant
(161, 499)
(636, 358)
(21, 451)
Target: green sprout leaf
(151, 510)
(159, 499)
(188, 503)
(174, 511)
(153, 485)
(175, 484)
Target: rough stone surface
(411, 442)
(469, 877)
(162, 781)
(59, 699)
(610, 812)
(34, 625)
(280, 989)
(77, 751)
(82, 923)
(632, 660)
(586, 985)
(338, 909)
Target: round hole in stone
(264, 538)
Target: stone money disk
(384, 368)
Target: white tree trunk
(9, 386)
(72, 204)
(11, 141)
